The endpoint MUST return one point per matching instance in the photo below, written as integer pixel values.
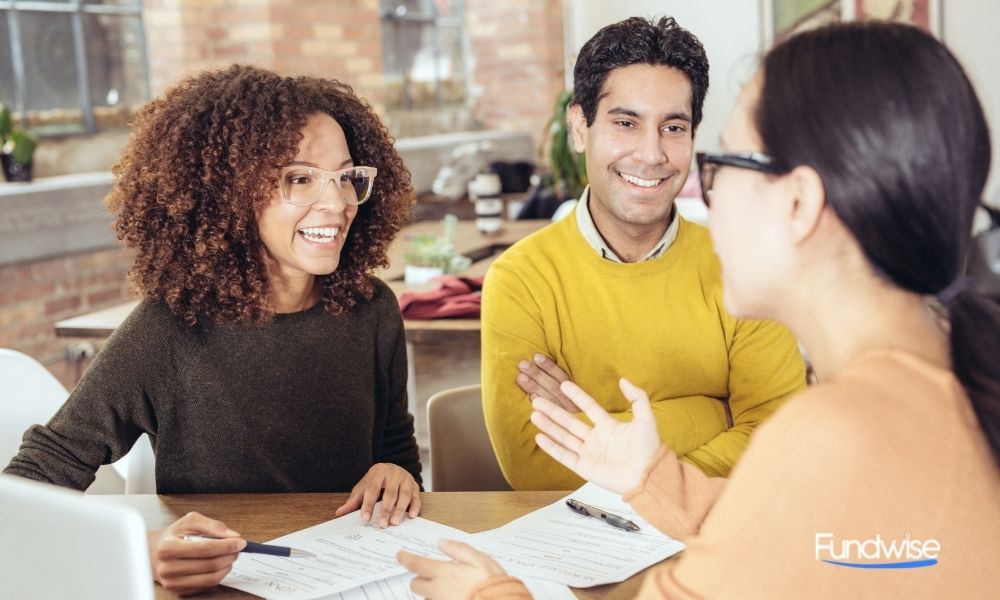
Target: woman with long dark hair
(841, 206)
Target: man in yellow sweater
(624, 286)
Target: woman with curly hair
(264, 356)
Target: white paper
(398, 588)
(348, 553)
(558, 544)
(395, 587)
(548, 549)
(548, 590)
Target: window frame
(436, 22)
(76, 9)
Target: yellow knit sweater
(659, 323)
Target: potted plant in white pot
(433, 254)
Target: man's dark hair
(639, 41)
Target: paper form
(548, 590)
(348, 553)
(398, 588)
(548, 549)
(557, 544)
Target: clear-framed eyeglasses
(303, 185)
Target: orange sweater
(888, 448)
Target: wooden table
(263, 517)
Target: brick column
(517, 52)
(331, 38)
(33, 296)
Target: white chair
(563, 210)
(141, 468)
(462, 458)
(693, 209)
(29, 395)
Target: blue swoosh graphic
(916, 564)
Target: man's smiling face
(639, 147)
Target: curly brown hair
(204, 157)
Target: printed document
(560, 545)
(348, 552)
(549, 549)
(398, 588)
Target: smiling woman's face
(305, 241)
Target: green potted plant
(433, 254)
(17, 148)
(567, 167)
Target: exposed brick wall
(517, 52)
(333, 38)
(517, 60)
(516, 49)
(338, 38)
(33, 296)
(516, 57)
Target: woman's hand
(188, 567)
(612, 454)
(541, 377)
(441, 580)
(400, 494)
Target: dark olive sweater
(305, 403)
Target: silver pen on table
(609, 518)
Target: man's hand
(612, 454)
(398, 489)
(541, 378)
(189, 567)
(442, 580)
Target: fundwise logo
(877, 553)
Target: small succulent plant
(437, 249)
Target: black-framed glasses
(709, 163)
(303, 185)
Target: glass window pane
(116, 62)
(7, 92)
(403, 55)
(423, 58)
(409, 8)
(390, 49)
(452, 65)
(423, 71)
(124, 3)
(450, 8)
(50, 68)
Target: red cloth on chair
(458, 297)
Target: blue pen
(261, 548)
